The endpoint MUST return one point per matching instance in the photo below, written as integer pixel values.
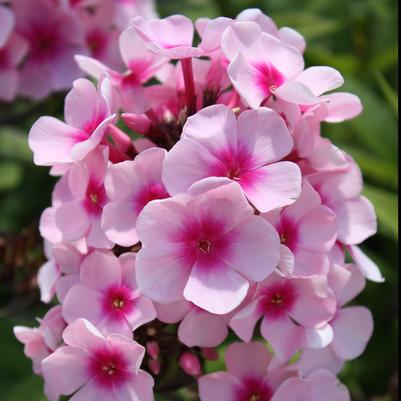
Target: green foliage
(358, 37)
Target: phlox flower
(93, 367)
(42, 341)
(60, 272)
(352, 325)
(88, 112)
(307, 230)
(248, 150)
(251, 375)
(340, 191)
(132, 185)
(206, 244)
(107, 295)
(261, 66)
(54, 36)
(295, 312)
(141, 65)
(80, 216)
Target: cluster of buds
(38, 41)
(229, 209)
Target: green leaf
(376, 128)
(30, 389)
(10, 175)
(386, 205)
(388, 92)
(14, 144)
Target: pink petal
(118, 223)
(293, 38)
(218, 386)
(140, 388)
(285, 337)
(174, 312)
(320, 79)
(366, 265)
(144, 312)
(244, 321)
(263, 134)
(8, 84)
(47, 277)
(342, 106)
(55, 365)
(99, 270)
(84, 335)
(258, 254)
(314, 359)
(161, 275)
(217, 289)
(317, 230)
(73, 221)
(82, 301)
(356, 220)
(202, 329)
(353, 328)
(295, 92)
(247, 359)
(34, 80)
(96, 237)
(7, 21)
(47, 133)
(272, 186)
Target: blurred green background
(358, 37)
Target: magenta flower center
(268, 78)
(118, 301)
(254, 389)
(109, 368)
(204, 245)
(278, 300)
(95, 199)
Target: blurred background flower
(357, 37)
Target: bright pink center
(109, 368)
(277, 300)
(254, 389)
(268, 78)
(44, 41)
(4, 58)
(96, 198)
(118, 301)
(288, 232)
(204, 240)
(232, 164)
(97, 42)
(151, 192)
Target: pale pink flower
(42, 341)
(206, 244)
(250, 375)
(60, 272)
(340, 191)
(132, 185)
(295, 314)
(92, 366)
(247, 150)
(88, 113)
(320, 385)
(107, 295)
(307, 230)
(352, 325)
(170, 37)
(80, 216)
(261, 66)
(141, 65)
(54, 36)
(125, 10)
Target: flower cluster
(38, 41)
(229, 209)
